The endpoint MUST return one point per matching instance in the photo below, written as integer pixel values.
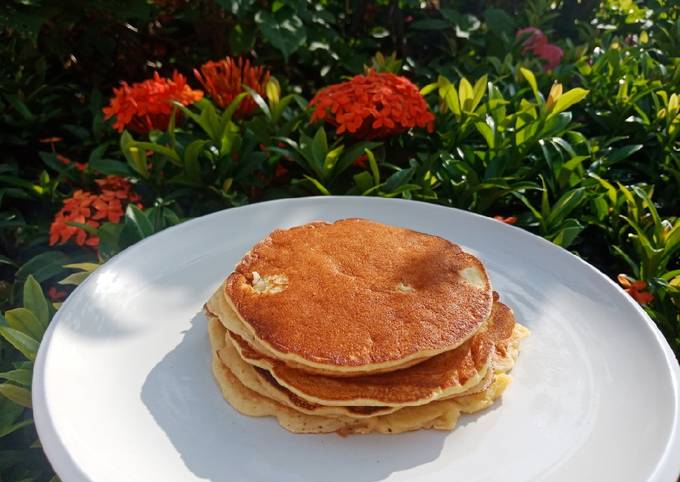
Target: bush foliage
(560, 117)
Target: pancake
(262, 382)
(356, 296)
(441, 414)
(443, 375)
(218, 306)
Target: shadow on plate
(219, 444)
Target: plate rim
(64, 465)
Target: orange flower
(636, 288)
(224, 80)
(508, 220)
(144, 106)
(66, 161)
(371, 106)
(92, 209)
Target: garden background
(121, 118)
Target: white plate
(123, 390)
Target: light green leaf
(466, 95)
(531, 80)
(322, 189)
(568, 99)
(374, 166)
(16, 393)
(284, 30)
(25, 321)
(75, 278)
(478, 89)
(89, 267)
(34, 300)
(24, 343)
(22, 376)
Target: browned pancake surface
(409, 386)
(359, 293)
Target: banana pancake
(261, 381)
(443, 375)
(357, 296)
(218, 306)
(441, 414)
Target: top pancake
(356, 295)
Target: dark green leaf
(139, 221)
(285, 31)
(43, 266)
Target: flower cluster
(537, 43)
(224, 80)
(145, 106)
(372, 106)
(636, 288)
(92, 209)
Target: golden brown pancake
(262, 382)
(357, 295)
(218, 306)
(443, 375)
(441, 414)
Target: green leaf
(110, 167)
(397, 180)
(43, 266)
(24, 343)
(373, 166)
(499, 21)
(487, 133)
(75, 278)
(622, 153)
(566, 204)
(567, 233)
(136, 159)
(22, 376)
(478, 90)
(138, 219)
(351, 154)
(192, 168)
(322, 189)
(89, 267)
(25, 321)
(568, 99)
(466, 94)
(10, 414)
(430, 24)
(452, 100)
(35, 301)
(319, 147)
(284, 30)
(531, 80)
(16, 393)
(259, 100)
(7, 261)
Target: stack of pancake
(357, 327)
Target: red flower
(224, 80)
(636, 288)
(537, 43)
(375, 105)
(144, 106)
(55, 294)
(92, 209)
(508, 220)
(361, 161)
